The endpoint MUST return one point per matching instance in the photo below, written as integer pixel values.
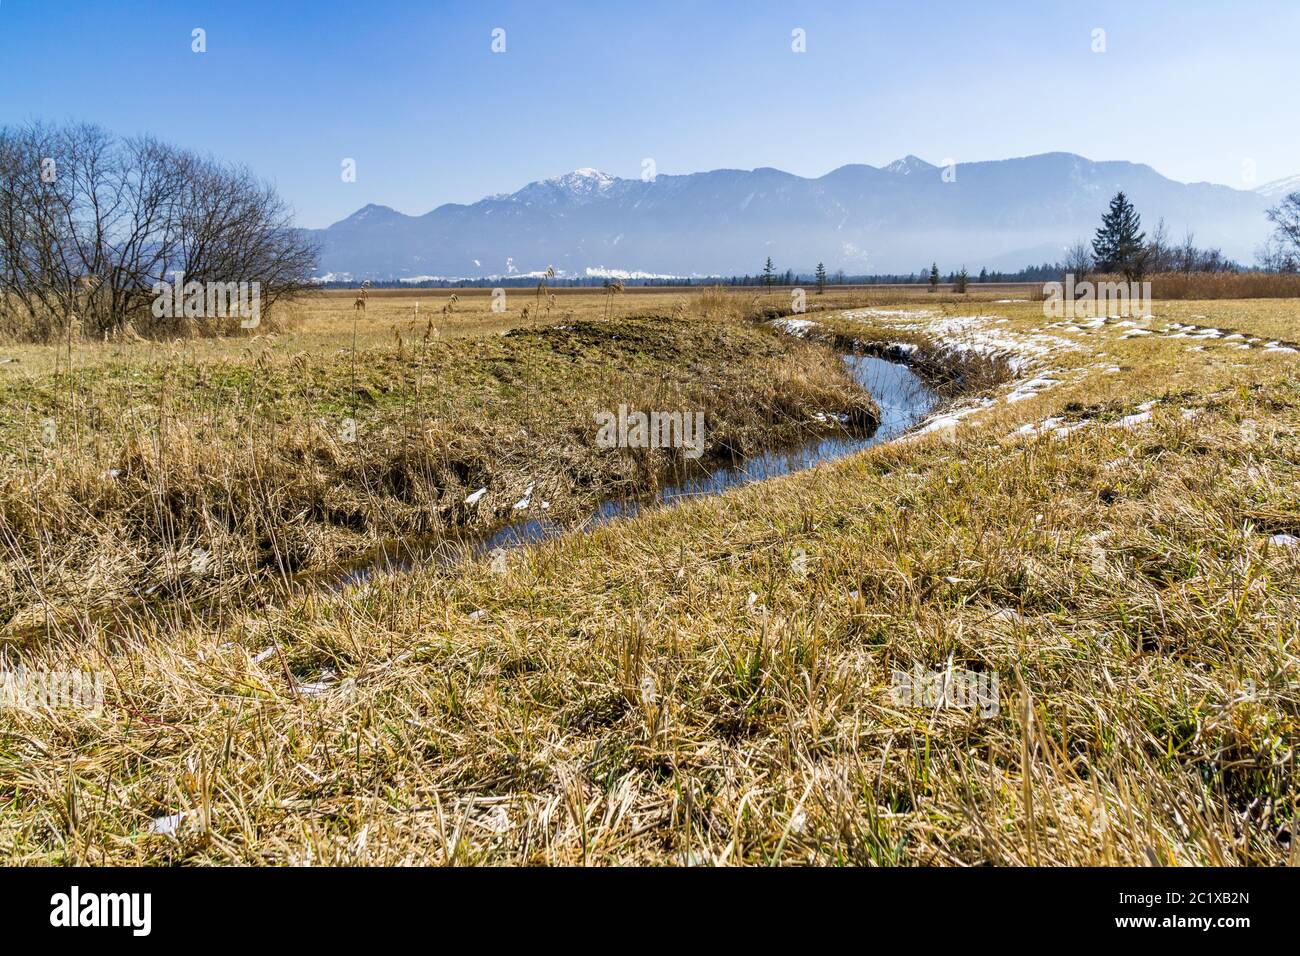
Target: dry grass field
(290, 453)
(1107, 532)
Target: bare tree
(1273, 256)
(1186, 257)
(1079, 261)
(1285, 241)
(1158, 255)
(90, 223)
(1187, 254)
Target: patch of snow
(1031, 388)
(320, 685)
(1067, 430)
(1132, 421)
(793, 326)
(969, 334)
(824, 417)
(941, 423)
(526, 500)
(889, 314)
(170, 824)
(1055, 426)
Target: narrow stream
(903, 398)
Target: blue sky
(413, 92)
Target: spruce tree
(934, 276)
(1118, 244)
(768, 273)
(821, 278)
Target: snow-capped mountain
(579, 186)
(1280, 187)
(910, 164)
(1002, 214)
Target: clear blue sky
(412, 91)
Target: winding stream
(904, 401)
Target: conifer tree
(1118, 243)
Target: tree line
(1121, 246)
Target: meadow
(261, 458)
(1100, 524)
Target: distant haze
(862, 219)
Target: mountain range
(898, 218)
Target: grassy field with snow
(1090, 551)
(202, 469)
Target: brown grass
(711, 684)
(253, 461)
(1176, 286)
